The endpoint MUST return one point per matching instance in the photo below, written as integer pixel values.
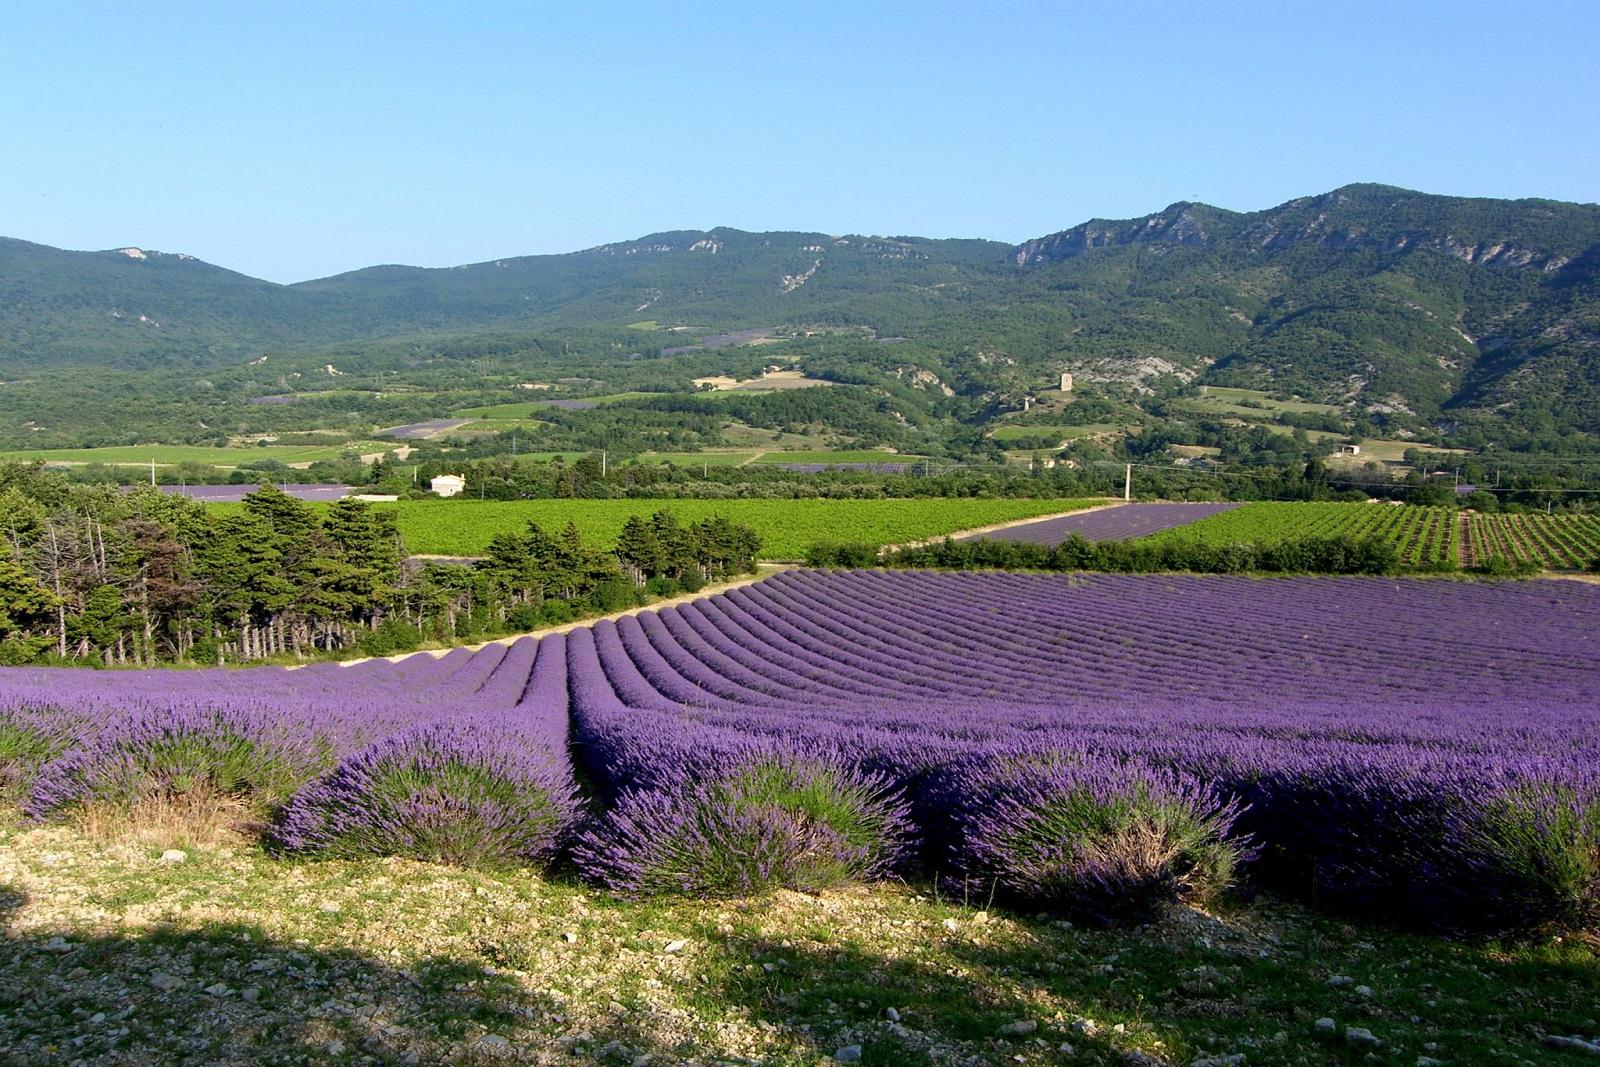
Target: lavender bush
(805, 826)
(31, 737)
(1091, 836)
(474, 790)
(169, 754)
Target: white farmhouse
(448, 484)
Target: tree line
(96, 576)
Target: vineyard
(1003, 732)
(1428, 538)
(1424, 537)
(1558, 542)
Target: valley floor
(112, 954)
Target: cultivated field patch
(1117, 523)
(787, 527)
(1425, 537)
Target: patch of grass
(695, 459)
(1248, 403)
(395, 959)
(786, 527)
(167, 455)
(1064, 433)
(847, 456)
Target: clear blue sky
(291, 141)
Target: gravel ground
(162, 952)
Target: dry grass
(198, 817)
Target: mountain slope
(1389, 299)
(1381, 299)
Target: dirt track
(765, 570)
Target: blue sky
(292, 141)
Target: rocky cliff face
(1539, 234)
(1181, 224)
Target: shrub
(767, 825)
(836, 554)
(1501, 567)
(30, 738)
(256, 759)
(1094, 837)
(474, 791)
(1533, 859)
(662, 586)
(1434, 840)
(614, 594)
(556, 612)
(391, 636)
(525, 617)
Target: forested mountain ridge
(1378, 297)
(1444, 310)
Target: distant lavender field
(416, 431)
(1112, 524)
(233, 494)
(818, 468)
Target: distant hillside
(1371, 297)
(1388, 299)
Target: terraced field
(822, 726)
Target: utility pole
(602, 455)
(1127, 484)
(152, 472)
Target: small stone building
(447, 484)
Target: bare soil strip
(764, 571)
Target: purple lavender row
(1314, 782)
(456, 757)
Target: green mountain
(1440, 309)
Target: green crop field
(1430, 538)
(165, 455)
(696, 459)
(787, 527)
(836, 457)
(1425, 537)
(1559, 542)
(1246, 403)
(1064, 433)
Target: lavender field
(1120, 523)
(1421, 750)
